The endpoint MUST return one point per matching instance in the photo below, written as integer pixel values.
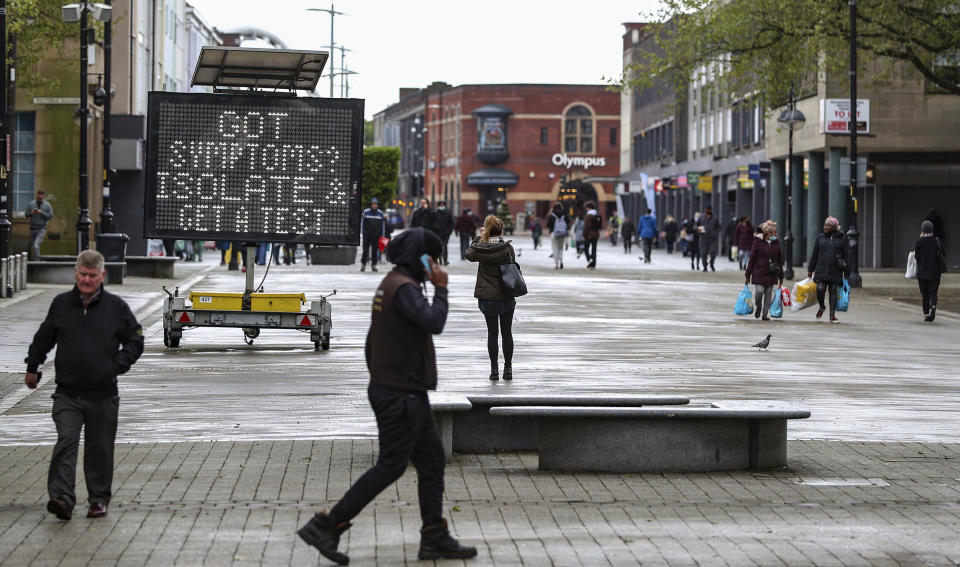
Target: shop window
(578, 130)
(24, 160)
(613, 136)
(543, 136)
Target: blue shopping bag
(743, 306)
(776, 308)
(843, 296)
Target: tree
(381, 169)
(767, 46)
(368, 133)
(38, 28)
(503, 213)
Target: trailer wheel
(325, 343)
(316, 345)
(169, 340)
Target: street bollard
(16, 273)
(4, 278)
(23, 268)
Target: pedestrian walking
(373, 226)
(627, 231)
(466, 227)
(536, 232)
(938, 231)
(97, 338)
(765, 268)
(224, 245)
(828, 265)
(558, 223)
(670, 230)
(591, 233)
(931, 262)
(424, 216)
(709, 239)
(443, 225)
(578, 240)
(647, 231)
(743, 237)
(685, 238)
(694, 233)
(613, 227)
(491, 251)
(729, 238)
(402, 363)
(39, 211)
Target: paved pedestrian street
(224, 449)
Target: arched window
(578, 130)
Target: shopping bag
(744, 302)
(776, 309)
(843, 296)
(784, 296)
(382, 243)
(911, 265)
(804, 294)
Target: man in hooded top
(402, 364)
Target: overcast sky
(415, 42)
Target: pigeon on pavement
(764, 343)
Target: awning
(492, 176)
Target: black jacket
(490, 255)
(443, 224)
(423, 218)
(929, 254)
(374, 223)
(94, 345)
(826, 256)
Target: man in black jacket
(443, 226)
(373, 227)
(97, 338)
(402, 364)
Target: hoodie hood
(405, 250)
(492, 247)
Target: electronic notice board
(253, 168)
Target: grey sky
(413, 43)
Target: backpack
(559, 226)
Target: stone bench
(722, 436)
(61, 271)
(151, 266)
(444, 408)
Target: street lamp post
(793, 119)
(852, 234)
(106, 214)
(5, 225)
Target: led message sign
(253, 168)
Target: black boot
(324, 534)
(933, 313)
(494, 374)
(437, 543)
(507, 371)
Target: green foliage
(39, 32)
(381, 169)
(503, 213)
(368, 133)
(767, 46)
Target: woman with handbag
(765, 268)
(828, 265)
(931, 262)
(491, 252)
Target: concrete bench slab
(151, 266)
(444, 407)
(738, 435)
(476, 431)
(61, 272)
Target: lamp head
(792, 119)
(71, 12)
(101, 12)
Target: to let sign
(835, 116)
(253, 168)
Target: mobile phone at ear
(425, 260)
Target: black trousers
(822, 288)
(407, 433)
(928, 290)
(98, 419)
(590, 250)
(647, 248)
(371, 250)
(446, 240)
(465, 239)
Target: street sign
(845, 171)
(835, 116)
(253, 168)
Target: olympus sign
(563, 160)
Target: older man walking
(97, 338)
(39, 212)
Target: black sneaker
(60, 508)
(437, 543)
(507, 372)
(321, 532)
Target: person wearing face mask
(828, 265)
(443, 226)
(424, 216)
(765, 268)
(693, 237)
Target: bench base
(151, 266)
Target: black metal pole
(852, 234)
(788, 237)
(5, 225)
(106, 214)
(83, 219)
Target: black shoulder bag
(511, 279)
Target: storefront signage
(586, 162)
(835, 115)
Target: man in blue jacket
(648, 231)
(97, 338)
(373, 227)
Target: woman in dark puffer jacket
(828, 264)
(491, 251)
(765, 268)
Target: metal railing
(13, 274)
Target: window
(613, 137)
(24, 160)
(543, 136)
(578, 130)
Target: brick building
(529, 144)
